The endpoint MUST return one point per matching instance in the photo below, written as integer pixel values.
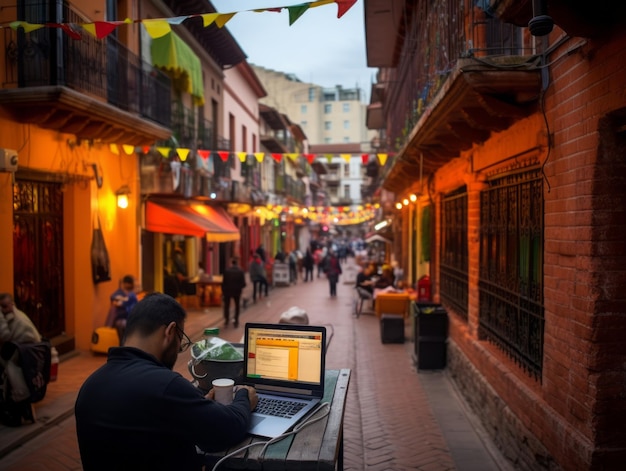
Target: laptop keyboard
(278, 407)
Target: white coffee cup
(223, 388)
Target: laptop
(285, 364)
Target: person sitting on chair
(123, 300)
(16, 329)
(364, 279)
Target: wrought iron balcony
(455, 77)
(95, 89)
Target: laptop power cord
(309, 421)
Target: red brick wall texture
(575, 417)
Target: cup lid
(222, 382)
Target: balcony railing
(208, 138)
(439, 34)
(101, 68)
(193, 183)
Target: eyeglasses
(185, 341)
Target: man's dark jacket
(135, 413)
(233, 281)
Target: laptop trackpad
(256, 420)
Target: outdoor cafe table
(317, 446)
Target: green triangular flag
(296, 12)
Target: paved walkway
(396, 418)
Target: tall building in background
(334, 121)
(327, 115)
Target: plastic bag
(294, 315)
(214, 348)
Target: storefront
(181, 237)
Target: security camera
(8, 160)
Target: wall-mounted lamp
(398, 205)
(122, 196)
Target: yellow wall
(59, 154)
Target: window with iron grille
(454, 252)
(511, 312)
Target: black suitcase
(391, 328)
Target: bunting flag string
(157, 27)
(224, 155)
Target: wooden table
(318, 446)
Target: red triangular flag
(343, 6)
(204, 153)
(277, 157)
(103, 28)
(365, 158)
(310, 158)
(223, 155)
(67, 29)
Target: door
(38, 255)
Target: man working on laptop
(136, 413)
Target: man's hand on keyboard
(251, 395)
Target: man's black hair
(128, 279)
(153, 311)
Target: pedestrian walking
(258, 277)
(332, 267)
(293, 267)
(308, 264)
(318, 258)
(260, 250)
(233, 282)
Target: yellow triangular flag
(319, 3)
(221, 20)
(182, 153)
(242, 156)
(157, 28)
(128, 149)
(164, 151)
(28, 27)
(382, 158)
(346, 157)
(114, 150)
(293, 156)
(259, 156)
(90, 28)
(208, 18)
(329, 158)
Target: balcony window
(328, 108)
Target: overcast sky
(318, 48)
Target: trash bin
(431, 335)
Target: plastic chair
(361, 296)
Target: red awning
(191, 219)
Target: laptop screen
(285, 355)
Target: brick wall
(574, 417)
